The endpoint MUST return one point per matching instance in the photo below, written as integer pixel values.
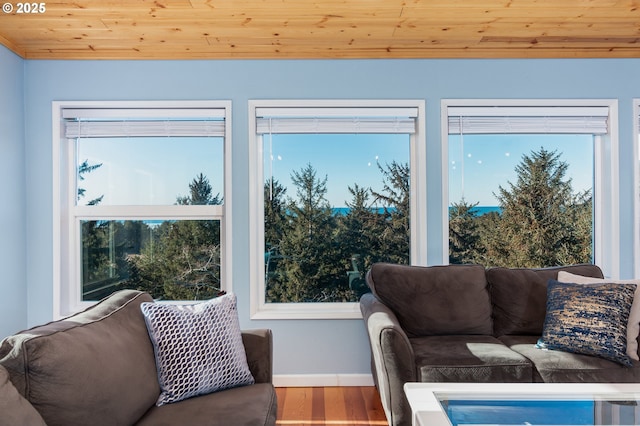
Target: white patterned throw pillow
(198, 347)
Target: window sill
(350, 310)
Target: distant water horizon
(478, 210)
(481, 210)
(343, 211)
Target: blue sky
(146, 171)
(344, 159)
(489, 161)
(157, 170)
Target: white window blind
(337, 120)
(529, 120)
(107, 122)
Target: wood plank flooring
(330, 406)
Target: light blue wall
(304, 346)
(13, 284)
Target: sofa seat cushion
(451, 299)
(468, 358)
(519, 296)
(93, 368)
(245, 406)
(552, 366)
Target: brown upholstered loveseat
(465, 323)
(98, 368)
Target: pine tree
(395, 197)
(494, 248)
(200, 193)
(358, 233)
(357, 229)
(542, 222)
(182, 260)
(276, 225)
(83, 169)
(96, 265)
(311, 264)
(275, 214)
(464, 234)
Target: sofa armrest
(258, 345)
(393, 361)
(15, 409)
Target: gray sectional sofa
(466, 323)
(98, 368)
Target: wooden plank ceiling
(219, 29)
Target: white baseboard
(317, 380)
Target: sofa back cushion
(434, 300)
(519, 296)
(94, 368)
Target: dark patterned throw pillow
(588, 319)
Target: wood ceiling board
(433, 51)
(182, 29)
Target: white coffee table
(427, 410)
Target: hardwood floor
(331, 406)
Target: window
(531, 183)
(636, 180)
(141, 200)
(335, 187)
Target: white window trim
(259, 308)
(66, 269)
(636, 186)
(606, 186)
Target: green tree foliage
(276, 225)
(95, 259)
(188, 255)
(359, 229)
(275, 213)
(97, 265)
(106, 245)
(83, 169)
(200, 193)
(493, 248)
(314, 254)
(464, 234)
(182, 259)
(395, 238)
(542, 223)
(359, 234)
(310, 263)
(581, 216)
(539, 214)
